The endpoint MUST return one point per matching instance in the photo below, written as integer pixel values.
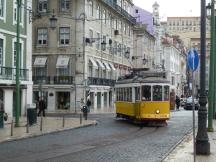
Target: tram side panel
(155, 110)
(125, 108)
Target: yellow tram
(143, 96)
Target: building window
(64, 5)
(2, 8)
(90, 8)
(173, 80)
(98, 41)
(98, 12)
(15, 13)
(42, 36)
(42, 5)
(15, 54)
(1, 52)
(64, 35)
(91, 37)
(104, 16)
(63, 71)
(40, 71)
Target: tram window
(137, 93)
(130, 95)
(146, 93)
(121, 94)
(166, 93)
(157, 93)
(117, 94)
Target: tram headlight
(157, 111)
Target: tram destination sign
(193, 59)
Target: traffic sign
(193, 59)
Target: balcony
(63, 79)
(101, 81)
(41, 79)
(8, 73)
(52, 79)
(120, 10)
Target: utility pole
(18, 65)
(202, 141)
(212, 71)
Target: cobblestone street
(110, 140)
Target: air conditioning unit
(116, 32)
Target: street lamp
(18, 65)
(202, 141)
(210, 14)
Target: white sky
(170, 8)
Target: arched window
(98, 12)
(104, 16)
(90, 8)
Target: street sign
(193, 59)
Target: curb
(49, 132)
(176, 145)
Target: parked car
(189, 105)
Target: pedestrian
(42, 106)
(88, 103)
(177, 102)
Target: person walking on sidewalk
(177, 102)
(42, 106)
(88, 103)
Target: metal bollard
(27, 126)
(80, 119)
(12, 127)
(41, 124)
(63, 121)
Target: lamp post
(202, 141)
(18, 65)
(210, 13)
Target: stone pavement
(49, 125)
(184, 151)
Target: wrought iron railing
(120, 10)
(53, 79)
(100, 81)
(63, 79)
(9, 73)
(41, 79)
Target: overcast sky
(170, 8)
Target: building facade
(83, 54)
(8, 21)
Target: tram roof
(143, 77)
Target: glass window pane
(146, 93)
(157, 93)
(166, 93)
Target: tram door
(172, 100)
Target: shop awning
(107, 66)
(40, 61)
(101, 64)
(112, 66)
(93, 63)
(62, 62)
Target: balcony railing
(52, 79)
(63, 80)
(41, 79)
(8, 73)
(120, 10)
(101, 81)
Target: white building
(87, 50)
